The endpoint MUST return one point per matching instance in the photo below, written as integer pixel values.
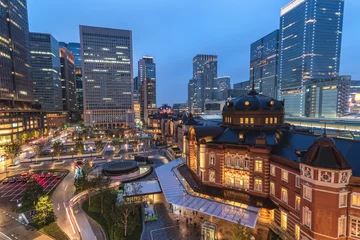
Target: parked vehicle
(49, 174)
(12, 180)
(6, 180)
(59, 176)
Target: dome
(323, 153)
(254, 102)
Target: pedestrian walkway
(167, 226)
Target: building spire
(324, 134)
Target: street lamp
(72, 152)
(91, 151)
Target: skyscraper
(107, 76)
(223, 84)
(74, 48)
(147, 80)
(45, 71)
(310, 44)
(192, 104)
(264, 63)
(67, 79)
(16, 88)
(204, 75)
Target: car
(42, 175)
(24, 173)
(6, 180)
(25, 179)
(19, 179)
(55, 174)
(12, 180)
(59, 176)
(49, 174)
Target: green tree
(31, 194)
(240, 232)
(24, 136)
(37, 148)
(12, 151)
(57, 147)
(44, 211)
(99, 146)
(79, 147)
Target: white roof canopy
(176, 193)
(141, 188)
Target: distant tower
(147, 81)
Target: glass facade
(107, 75)
(74, 48)
(15, 82)
(147, 81)
(45, 71)
(264, 63)
(68, 79)
(204, 75)
(223, 84)
(310, 43)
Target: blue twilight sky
(174, 31)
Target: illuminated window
(297, 232)
(272, 170)
(284, 195)
(272, 188)
(211, 176)
(297, 181)
(355, 227)
(355, 200)
(272, 215)
(258, 185)
(341, 226)
(266, 120)
(284, 175)
(275, 120)
(343, 200)
(227, 160)
(212, 158)
(271, 120)
(307, 217)
(283, 220)
(232, 179)
(246, 120)
(307, 193)
(241, 120)
(251, 120)
(258, 165)
(297, 203)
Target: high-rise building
(45, 71)
(107, 76)
(192, 90)
(74, 48)
(67, 79)
(264, 63)
(204, 75)
(245, 85)
(136, 84)
(310, 44)
(16, 87)
(354, 97)
(223, 84)
(147, 80)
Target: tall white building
(107, 76)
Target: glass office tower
(204, 75)
(264, 63)
(107, 76)
(147, 80)
(68, 79)
(16, 88)
(310, 44)
(45, 71)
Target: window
(355, 227)
(241, 120)
(227, 160)
(211, 176)
(297, 181)
(271, 120)
(246, 120)
(246, 164)
(342, 226)
(355, 200)
(284, 175)
(272, 170)
(212, 158)
(307, 193)
(258, 165)
(297, 232)
(284, 195)
(283, 220)
(275, 120)
(251, 120)
(233, 162)
(258, 185)
(272, 188)
(272, 215)
(343, 200)
(244, 182)
(266, 120)
(307, 217)
(297, 203)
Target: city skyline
(165, 41)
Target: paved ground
(166, 226)
(14, 190)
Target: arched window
(227, 160)
(233, 161)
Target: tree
(37, 148)
(31, 194)
(240, 232)
(44, 211)
(57, 147)
(12, 151)
(99, 146)
(79, 147)
(24, 136)
(128, 215)
(99, 182)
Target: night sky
(174, 31)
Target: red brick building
(307, 186)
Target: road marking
(66, 186)
(58, 207)
(68, 215)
